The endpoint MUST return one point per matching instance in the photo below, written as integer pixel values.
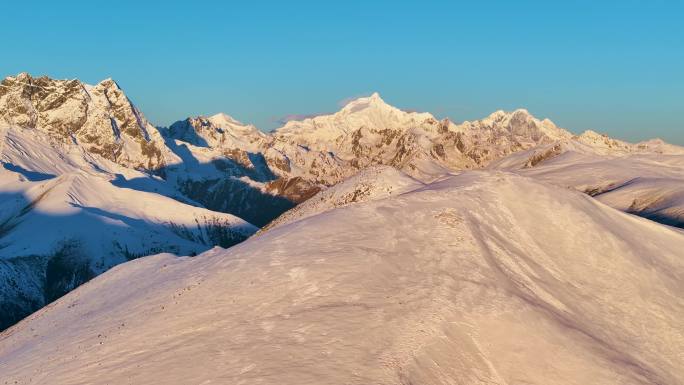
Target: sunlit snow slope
(373, 183)
(645, 179)
(486, 277)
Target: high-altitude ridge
(76, 155)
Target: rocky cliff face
(100, 118)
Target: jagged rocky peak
(29, 102)
(100, 118)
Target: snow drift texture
(485, 277)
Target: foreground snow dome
(478, 278)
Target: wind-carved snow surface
(484, 277)
(645, 179)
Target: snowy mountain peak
(375, 98)
(592, 134)
(224, 119)
(108, 84)
(21, 76)
(220, 131)
(604, 144)
(501, 115)
(225, 122)
(365, 102)
(598, 140)
(519, 122)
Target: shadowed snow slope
(478, 278)
(67, 215)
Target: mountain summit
(372, 101)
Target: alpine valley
(372, 245)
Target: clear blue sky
(613, 66)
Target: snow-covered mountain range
(482, 278)
(325, 149)
(87, 182)
(296, 161)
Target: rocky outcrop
(100, 118)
